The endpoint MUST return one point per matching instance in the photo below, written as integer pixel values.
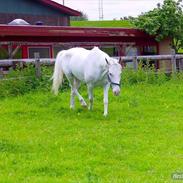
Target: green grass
(112, 23)
(43, 141)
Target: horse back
(95, 66)
(76, 60)
(85, 65)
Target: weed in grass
(47, 171)
(8, 147)
(92, 177)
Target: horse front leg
(72, 101)
(90, 96)
(106, 90)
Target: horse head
(114, 75)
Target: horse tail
(58, 73)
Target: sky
(112, 9)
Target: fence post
(173, 61)
(37, 64)
(135, 63)
(1, 73)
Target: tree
(164, 21)
(83, 16)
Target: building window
(57, 49)
(149, 50)
(131, 51)
(44, 52)
(3, 53)
(111, 51)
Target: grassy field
(112, 23)
(43, 141)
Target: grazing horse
(93, 67)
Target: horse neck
(104, 74)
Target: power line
(101, 12)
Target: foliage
(131, 77)
(3, 53)
(43, 141)
(106, 23)
(21, 81)
(83, 17)
(164, 21)
(130, 18)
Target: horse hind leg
(74, 84)
(70, 78)
(90, 96)
(72, 98)
(81, 99)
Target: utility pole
(101, 13)
(63, 2)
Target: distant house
(32, 11)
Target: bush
(144, 74)
(21, 81)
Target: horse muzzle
(116, 91)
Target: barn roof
(70, 34)
(60, 7)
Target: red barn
(48, 40)
(22, 41)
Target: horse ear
(121, 62)
(107, 61)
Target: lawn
(43, 141)
(105, 23)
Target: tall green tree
(164, 21)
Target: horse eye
(110, 74)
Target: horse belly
(77, 68)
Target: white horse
(93, 67)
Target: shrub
(144, 74)
(21, 81)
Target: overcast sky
(112, 9)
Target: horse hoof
(105, 114)
(84, 105)
(90, 108)
(72, 107)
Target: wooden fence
(134, 59)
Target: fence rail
(134, 59)
(10, 62)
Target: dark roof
(70, 34)
(60, 7)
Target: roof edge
(60, 7)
